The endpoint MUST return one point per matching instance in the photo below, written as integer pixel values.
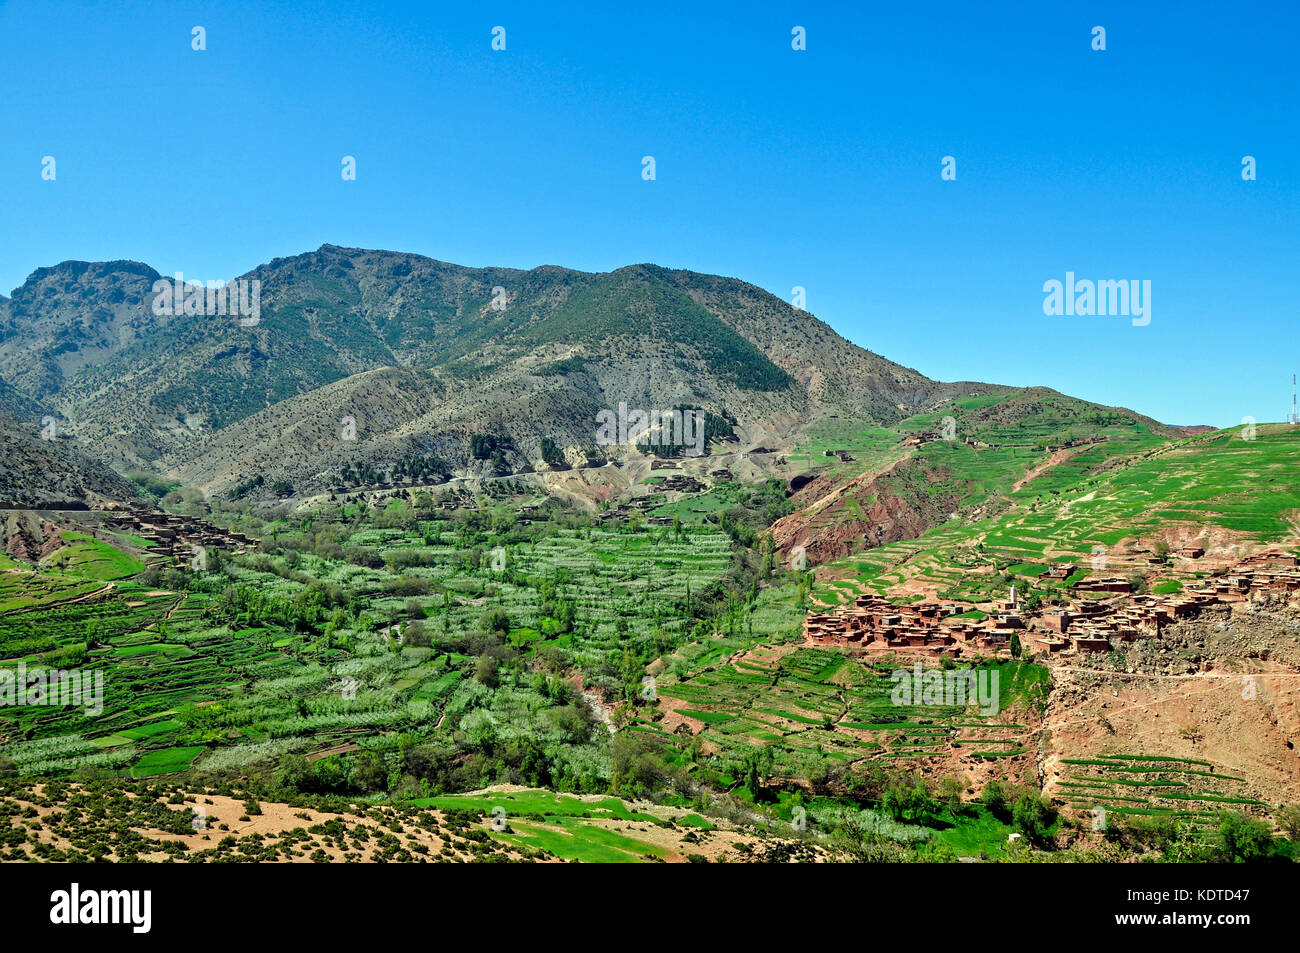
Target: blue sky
(818, 168)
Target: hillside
(75, 315)
(137, 388)
(40, 473)
(867, 486)
(423, 354)
(1129, 501)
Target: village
(1105, 611)
(172, 536)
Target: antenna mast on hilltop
(1295, 418)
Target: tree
(485, 670)
(294, 770)
(908, 800)
(415, 635)
(950, 791)
(369, 773)
(329, 776)
(993, 798)
(1288, 818)
(757, 765)
(1032, 816)
(552, 454)
(1241, 839)
(495, 621)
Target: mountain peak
(87, 271)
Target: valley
(364, 577)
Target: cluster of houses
(676, 483)
(171, 535)
(872, 624)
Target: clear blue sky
(818, 168)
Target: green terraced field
(819, 703)
(91, 558)
(1154, 785)
(1218, 479)
(190, 678)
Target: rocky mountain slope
(368, 358)
(39, 473)
(541, 350)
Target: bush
(414, 635)
(1241, 839)
(1032, 816)
(495, 621)
(993, 798)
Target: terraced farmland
(820, 703)
(190, 680)
(1218, 482)
(1155, 786)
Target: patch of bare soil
(352, 836)
(1056, 459)
(674, 719)
(1223, 689)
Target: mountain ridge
(524, 358)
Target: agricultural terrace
(814, 707)
(1190, 791)
(298, 652)
(1238, 488)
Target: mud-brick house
(1057, 619)
(1108, 584)
(995, 639)
(1271, 559)
(1051, 644)
(1090, 641)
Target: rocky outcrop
(839, 519)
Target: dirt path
(108, 587)
(180, 601)
(1057, 458)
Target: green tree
(1242, 840)
(950, 792)
(1288, 818)
(994, 798)
(485, 670)
(1032, 816)
(369, 773)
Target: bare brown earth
(835, 520)
(217, 817)
(283, 833)
(1223, 689)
